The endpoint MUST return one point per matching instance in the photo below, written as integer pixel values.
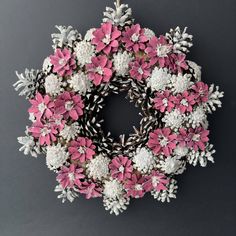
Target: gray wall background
(206, 198)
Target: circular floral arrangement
(67, 95)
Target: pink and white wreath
(68, 93)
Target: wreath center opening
(119, 115)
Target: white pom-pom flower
(181, 151)
(179, 83)
(159, 79)
(80, 83)
(174, 119)
(84, 52)
(144, 160)
(53, 84)
(172, 165)
(98, 167)
(121, 62)
(56, 156)
(113, 188)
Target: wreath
(67, 95)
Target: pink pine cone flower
(70, 176)
(134, 38)
(159, 50)
(44, 132)
(162, 141)
(164, 101)
(178, 63)
(91, 190)
(121, 168)
(100, 70)
(82, 149)
(41, 106)
(106, 38)
(135, 186)
(58, 121)
(63, 62)
(69, 105)
(194, 138)
(156, 181)
(185, 101)
(139, 69)
(201, 92)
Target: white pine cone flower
(89, 35)
(201, 157)
(179, 83)
(120, 16)
(113, 189)
(116, 206)
(144, 160)
(159, 79)
(195, 69)
(98, 167)
(66, 36)
(181, 40)
(121, 62)
(148, 33)
(166, 195)
(80, 83)
(32, 117)
(56, 156)
(181, 151)
(29, 146)
(66, 194)
(214, 98)
(84, 52)
(27, 82)
(174, 119)
(53, 85)
(70, 131)
(47, 65)
(197, 117)
(172, 165)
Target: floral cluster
(64, 94)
